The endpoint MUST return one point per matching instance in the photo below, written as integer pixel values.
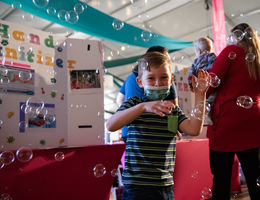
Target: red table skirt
(44, 178)
(192, 170)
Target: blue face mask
(156, 93)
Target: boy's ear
(139, 82)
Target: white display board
(39, 107)
(186, 98)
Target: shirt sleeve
(181, 116)
(130, 102)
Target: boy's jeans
(135, 192)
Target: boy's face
(157, 76)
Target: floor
(240, 196)
(243, 195)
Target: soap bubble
(142, 64)
(258, 181)
(4, 80)
(51, 11)
(244, 102)
(197, 113)
(247, 33)
(194, 174)
(63, 15)
(24, 154)
(139, 4)
(250, 57)
(48, 58)
(7, 157)
(49, 118)
(99, 170)
(41, 111)
(27, 17)
(79, 8)
(202, 84)
(16, 4)
(26, 109)
(35, 103)
(5, 196)
(206, 193)
(72, 17)
(23, 125)
(232, 55)
(59, 156)
(4, 71)
(235, 195)
(41, 3)
(214, 81)
(117, 24)
(25, 75)
(231, 39)
(146, 36)
(239, 35)
(113, 172)
(1, 164)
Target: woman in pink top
(235, 128)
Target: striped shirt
(150, 147)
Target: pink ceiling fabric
(219, 26)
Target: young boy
(152, 126)
(205, 60)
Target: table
(73, 177)
(192, 170)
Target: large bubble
(99, 170)
(24, 154)
(117, 24)
(146, 36)
(206, 193)
(214, 81)
(245, 102)
(41, 3)
(7, 157)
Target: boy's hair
(153, 59)
(203, 44)
(160, 49)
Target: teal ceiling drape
(99, 24)
(125, 61)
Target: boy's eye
(165, 77)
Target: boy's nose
(157, 83)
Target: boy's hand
(159, 107)
(179, 136)
(201, 84)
